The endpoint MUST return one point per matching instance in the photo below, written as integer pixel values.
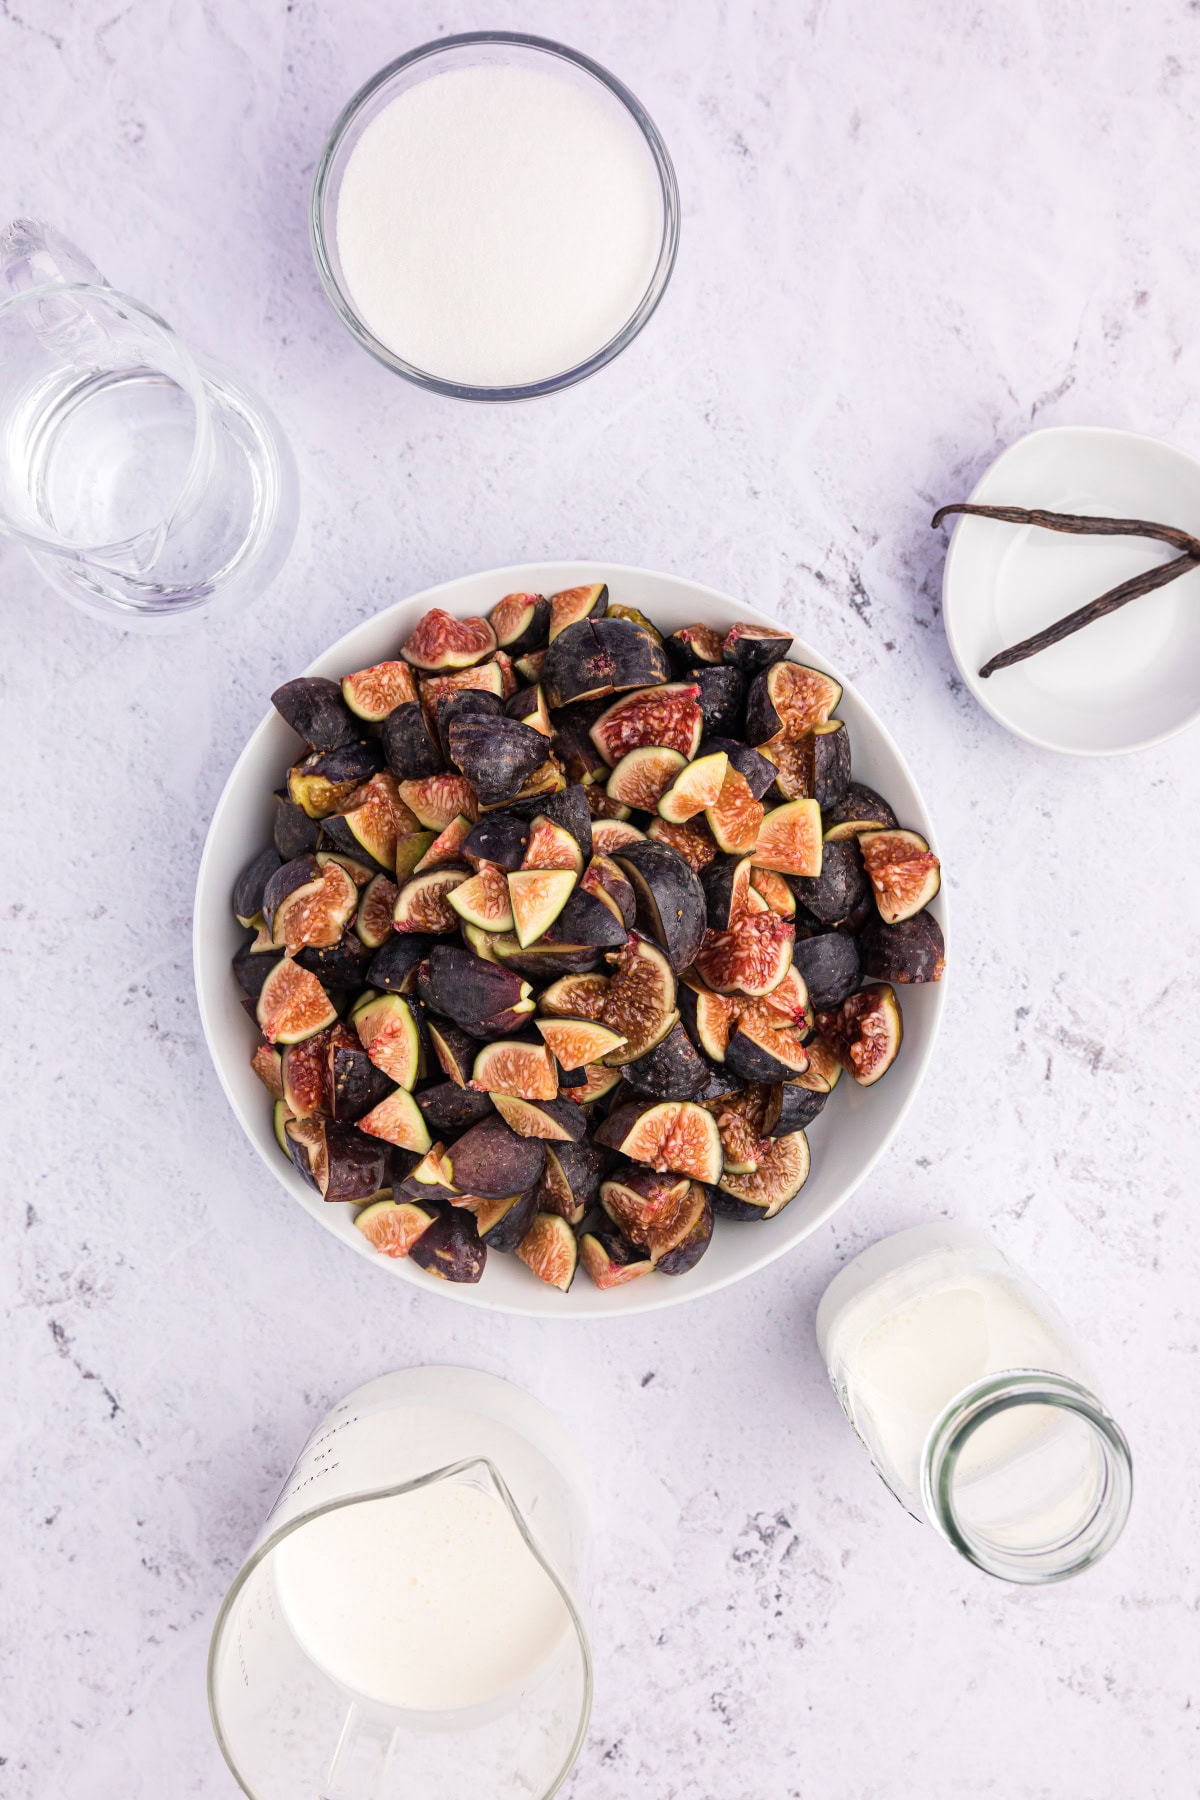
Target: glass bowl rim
(340, 299)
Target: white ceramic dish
(848, 1138)
(1124, 683)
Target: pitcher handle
(33, 254)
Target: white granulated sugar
(498, 224)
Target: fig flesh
(451, 1248)
(694, 841)
(512, 1066)
(448, 846)
(324, 782)
(599, 1082)
(555, 1120)
(664, 718)
(670, 900)
(573, 605)
(736, 819)
(389, 1032)
(753, 647)
(423, 904)
(575, 997)
(314, 709)
(267, 1063)
(336, 1159)
(743, 1119)
(521, 622)
(642, 777)
(903, 871)
(751, 958)
(775, 891)
(292, 1004)
(549, 1249)
(394, 966)
(755, 770)
(814, 765)
(441, 641)
(438, 799)
(552, 846)
(483, 900)
(392, 1227)
(762, 1050)
(303, 1075)
(610, 1260)
(576, 1042)
(788, 698)
(611, 835)
(373, 924)
(859, 809)
(570, 1181)
(764, 1192)
(528, 707)
(674, 1135)
(373, 693)
(726, 886)
(865, 1033)
(397, 1120)
(693, 645)
(636, 1199)
(695, 788)
(789, 840)
(912, 951)
(536, 897)
(640, 1003)
(677, 1242)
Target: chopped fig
(394, 967)
(292, 1004)
(313, 708)
(610, 1260)
(551, 1119)
(413, 753)
(789, 839)
(775, 891)
(726, 887)
(610, 835)
(815, 764)
(859, 809)
(636, 618)
(798, 1107)
(508, 675)
(267, 1063)
(913, 950)
(456, 704)
(293, 833)
(763, 1048)
(591, 918)
(736, 819)
(743, 1120)
(830, 965)
(599, 1082)
(603, 876)
(323, 782)
(250, 886)
(521, 622)
(484, 900)
(529, 666)
(397, 1120)
(665, 718)
(528, 706)
(546, 781)
(429, 1178)
(640, 1003)
(694, 841)
(570, 1181)
(549, 1249)
(281, 1114)
(547, 959)
(642, 777)
(503, 1223)
(353, 1084)
(722, 697)
(601, 656)
(751, 958)
(838, 892)
(423, 904)
(496, 755)
(448, 846)
(571, 1078)
(512, 1066)
(576, 751)
(374, 922)
(454, 1049)
(755, 770)
(448, 1108)
(438, 799)
(412, 851)
(491, 1160)
(537, 896)
(452, 1248)
(865, 1033)
(903, 871)
(636, 1199)
(778, 1178)
(693, 644)
(824, 1068)
(393, 1226)
(441, 641)
(337, 1159)
(576, 1042)
(753, 647)
(481, 997)
(790, 999)
(389, 1032)
(341, 965)
(303, 1073)
(337, 840)
(486, 685)
(696, 787)
(573, 605)
(678, 1241)
(576, 997)
(373, 693)
(668, 1134)
(552, 846)
(708, 1018)
(500, 839)
(791, 698)
(671, 1071)
(254, 962)
(670, 899)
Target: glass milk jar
(972, 1400)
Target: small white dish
(1129, 680)
(849, 1137)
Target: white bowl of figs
(569, 939)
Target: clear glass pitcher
(144, 484)
(406, 1622)
(968, 1391)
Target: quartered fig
(549, 1249)
(636, 1199)
(491, 1160)
(437, 690)
(678, 1240)
(914, 950)
(412, 751)
(502, 1223)
(722, 697)
(521, 622)
(696, 786)
(343, 965)
(303, 1075)
(671, 1071)
(743, 1119)
(323, 782)
(353, 1084)
(551, 846)
(394, 966)
(281, 1116)
(665, 718)
(336, 1159)
(670, 1134)
(601, 656)
(903, 871)
(373, 693)
(528, 706)
(640, 1003)
(813, 764)
(393, 1226)
(642, 777)
(859, 809)
(707, 1017)
(761, 1048)
(422, 904)
(537, 896)
(448, 846)
(837, 893)
(512, 1066)
(573, 605)
(495, 754)
(576, 1042)
(338, 841)
(452, 1248)
(484, 901)
(751, 958)
(250, 886)
(453, 1049)
(570, 1181)
(292, 1004)
(865, 1032)
(599, 1083)
(606, 879)
(611, 1260)
(694, 841)
(726, 887)
(798, 1107)
(765, 1192)
(830, 965)
(314, 709)
(254, 962)
(789, 839)
(499, 838)
(441, 641)
(429, 1179)
(756, 771)
(692, 645)
(457, 704)
(788, 697)
(293, 832)
(590, 918)
(397, 1120)
(438, 799)
(374, 921)
(529, 666)
(736, 819)
(575, 997)
(555, 1120)
(389, 1032)
(753, 647)
(824, 1067)
(775, 891)
(547, 959)
(481, 997)
(610, 835)
(670, 899)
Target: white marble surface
(910, 232)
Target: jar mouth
(1028, 1476)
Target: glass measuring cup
(144, 484)
(405, 1621)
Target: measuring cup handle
(35, 255)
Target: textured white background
(910, 232)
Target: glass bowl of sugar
(494, 216)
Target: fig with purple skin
(547, 959)
(601, 656)
(292, 1004)
(670, 900)
(912, 951)
(610, 1260)
(726, 886)
(590, 918)
(528, 707)
(353, 1084)
(521, 622)
(668, 1134)
(491, 1160)
(474, 994)
(304, 1075)
(570, 1181)
(549, 1249)
(512, 1066)
(293, 832)
(373, 693)
(452, 1248)
(441, 641)
(316, 712)
(323, 782)
(830, 965)
(500, 838)
(555, 1120)
(798, 1107)
(789, 698)
(751, 958)
(503, 1223)
(412, 751)
(811, 764)
(753, 647)
(865, 1033)
(251, 885)
(660, 717)
(903, 871)
(449, 1108)
(422, 903)
(673, 1070)
(640, 1004)
(496, 755)
(678, 1241)
(551, 846)
(694, 841)
(458, 704)
(755, 770)
(335, 1158)
(693, 646)
(395, 966)
(254, 962)
(572, 605)
(568, 808)
(859, 809)
(722, 697)
(765, 1191)
(837, 893)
